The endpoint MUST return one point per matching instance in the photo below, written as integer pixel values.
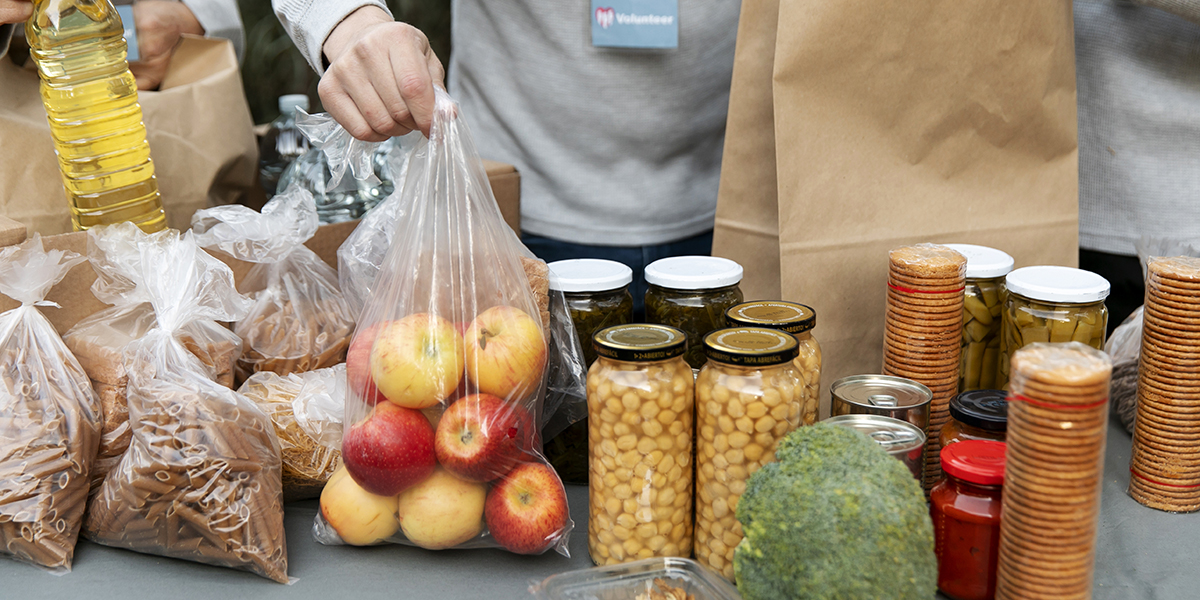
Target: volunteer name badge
(635, 23)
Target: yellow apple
(505, 352)
(417, 361)
(359, 517)
(443, 511)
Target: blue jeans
(636, 257)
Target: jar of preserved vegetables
(965, 506)
(748, 396)
(976, 415)
(985, 294)
(597, 296)
(1051, 304)
(798, 320)
(640, 408)
(692, 293)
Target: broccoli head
(834, 517)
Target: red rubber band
(1170, 485)
(911, 291)
(1051, 405)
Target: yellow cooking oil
(92, 105)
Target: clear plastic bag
(201, 478)
(306, 409)
(49, 416)
(300, 320)
(446, 375)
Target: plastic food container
(985, 294)
(883, 395)
(692, 293)
(965, 506)
(1051, 304)
(976, 415)
(798, 320)
(748, 397)
(625, 582)
(640, 407)
(903, 440)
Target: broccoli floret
(834, 517)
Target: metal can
(903, 440)
(883, 395)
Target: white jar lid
(1058, 284)
(693, 272)
(589, 275)
(984, 262)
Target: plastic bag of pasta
(49, 416)
(201, 478)
(300, 321)
(98, 341)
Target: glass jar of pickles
(596, 293)
(976, 415)
(985, 295)
(1051, 304)
(748, 396)
(692, 293)
(798, 320)
(640, 408)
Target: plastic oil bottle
(92, 105)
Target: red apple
(506, 352)
(526, 511)
(389, 451)
(358, 365)
(417, 361)
(480, 437)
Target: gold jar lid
(640, 342)
(788, 317)
(751, 346)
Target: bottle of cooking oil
(91, 102)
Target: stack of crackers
(1165, 467)
(923, 333)
(1054, 464)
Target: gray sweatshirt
(615, 147)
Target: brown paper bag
(199, 127)
(856, 126)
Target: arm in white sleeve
(220, 19)
(1188, 9)
(309, 22)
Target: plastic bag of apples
(446, 376)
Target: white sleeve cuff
(220, 19)
(309, 23)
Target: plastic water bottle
(282, 144)
(351, 198)
(92, 105)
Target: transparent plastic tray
(626, 581)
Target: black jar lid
(640, 342)
(981, 409)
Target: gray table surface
(1143, 553)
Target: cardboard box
(74, 292)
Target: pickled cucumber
(1026, 321)
(983, 308)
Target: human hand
(15, 11)
(381, 76)
(160, 25)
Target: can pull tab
(883, 401)
(887, 439)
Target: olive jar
(749, 395)
(983, 303)
(799, 321)
(640, 430)
(692, 293)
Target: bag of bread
(98, 341)
(306, 409)
(49, 416)
(201, 478)
(300, 320)
(446, 375)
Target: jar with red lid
(976, 415)
(966, 518)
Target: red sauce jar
(966, 518)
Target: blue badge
(126, 12)
(635, 23)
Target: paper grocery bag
(856, 126)
(198, 124)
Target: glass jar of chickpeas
(798, 320)
(748, 396)
(1051, 304)
(984, 297)
(640, 411)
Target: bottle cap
(787, 317)
(982, 409)
(693, 272)
(589, 275)
(640, 342)
(751, 346)
(984, 262)
(289, 103)
(1057, 284)
(976, 461)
